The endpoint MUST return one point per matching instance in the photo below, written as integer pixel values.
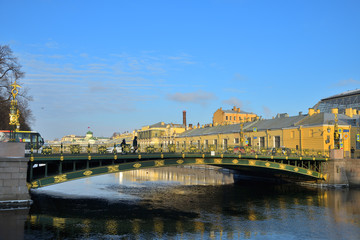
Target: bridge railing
(179, 148)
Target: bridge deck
(56, 168)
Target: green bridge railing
(172, 148)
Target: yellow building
(82, 140)
(159, 134)
(128, 136)
(233, 116)
(314, 131)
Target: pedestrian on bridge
(135, 146)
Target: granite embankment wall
(352, 171)
(13, 172)
(342, 171)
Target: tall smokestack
(184, 118)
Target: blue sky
(115, 65)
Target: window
(225, 143)
(215, 143)
(262, 142)
(206, 144)
(230, 118)
(249, 141)
(277, 141)
(226, 117)
(236, 140)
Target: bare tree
(10, 70)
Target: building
(342, 101)
(83, 140)
(128, 136)
(159, 134)
(313, 131)
(233, 116)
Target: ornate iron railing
(177, 148)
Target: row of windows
(225, 142)
(311, 133)
(234, 118)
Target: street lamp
(14, 112)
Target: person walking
(135, 146)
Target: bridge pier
(13, 172)
(336, 169)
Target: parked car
(243, 150)
(111, 149)
(282, 150)
(239, 149)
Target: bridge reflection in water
(186, 175)
(188, 203)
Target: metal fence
(178, 148)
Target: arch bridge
(48, 169)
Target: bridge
(52, 168)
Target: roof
(278, 123)
(326, 118)
(236, 112)
(233, 128)
(164, 125)
(344, 94)
(273, 124)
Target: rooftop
(344, 94)
(273, 124)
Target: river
(189, 203)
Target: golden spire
(14, 111)
(14, 91)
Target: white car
(111, 149)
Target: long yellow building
(313, 131)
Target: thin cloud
(347, 82)
(52, 44)
(234, 90)
(233, 101)
(198, 97)
(238, 77)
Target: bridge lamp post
(242, 134)
(14, 112)
(336, 133)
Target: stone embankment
(342, 172)
(13, 172)
(352, 171)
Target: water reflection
(187, 203)
(186, 175)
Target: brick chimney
(184, 118)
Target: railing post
(31, 171)
(60, 167)
(46, 169)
